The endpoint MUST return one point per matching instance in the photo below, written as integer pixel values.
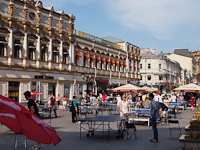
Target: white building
(186, 61)
(159, 72)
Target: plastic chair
(16, 140)
(174, 125)
(130, 125)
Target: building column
(132, 69)
(127, 66)
(71, 56)
(136, 69)
(61, 56)
(10, 47)
(25, 49)
(38, 48)
(50, 51)
(139, 67)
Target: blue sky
(163, 25)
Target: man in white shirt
(173, 98)
(118, 100)
(156, 98)
(160, 99)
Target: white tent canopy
(193, 88)
(127, 88)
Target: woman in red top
(192, 102)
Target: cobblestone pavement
(70, 135)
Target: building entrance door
(13, 90)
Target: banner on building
(98, 40)
(38, 90)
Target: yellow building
(40, 51)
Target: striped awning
(87, 56)
(93, 58)
(79, 55)
(98, 58)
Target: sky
(163, 25)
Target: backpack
(72, 108)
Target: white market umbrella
(148, 89)
(127, 88)
(192, 88)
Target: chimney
(153, 51)
(142, 50)
(147, 50)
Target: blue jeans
(154, 127)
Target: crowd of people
(158, 104)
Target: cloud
(159, 17)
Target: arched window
(55, 55)
(1, 49)
(91, 63)
(65, 56)
(44, 50)
(32, 49)
(18, 49)
(3, 44)
(84, 61)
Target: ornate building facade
(41, 51)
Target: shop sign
(163, 83)
(104, 80)
(98, 40)
(13, 94)
(43, 77)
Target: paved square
(70, 135)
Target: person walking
(74, 109)
(52, 105)
(192, 102)
(64, 102)
(58, 100)
(154, 116)
(33, 108)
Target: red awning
(87, 56)
(131, 66)
(124, 64)
(121, 63)
(98, 59)
(135, 67)
(79, 55)
(103, 60)
(117, 63)
(112, 62)
(108, 61)
(149, 76)
(138, 67)
(93, 58)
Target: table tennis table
(94, 123)
(145, 112)
(88, 109)
(109, 108)
(178, 105)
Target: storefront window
(13, 90)
(33, 87)
(51, 88)
(66, 90)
